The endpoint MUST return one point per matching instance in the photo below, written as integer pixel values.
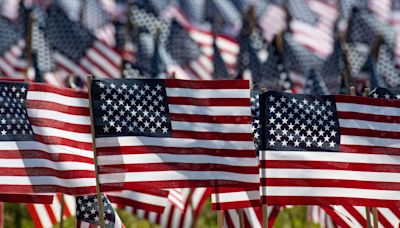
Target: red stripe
(370, 133)
(35, 217)
(25, 198)
(64, 108)
(136, 204)
(47, 189)
(369, 117)
(350, 166)
(382, 219)
(335, 217)
(40, 171)
(67, 211)
(95, 65)
(105, 54)
(235, 205)
(50, 213)
(41, 87)
(304, 200)
(332, 183)
(170, 166)
(172, 184)
(207, 84)
(52, 140)
(209, 101)
(173, 150)
(213, 135)
(26, 154)
(360, 219)
(367, 101)
(369, 149)
(74, 128)
(210, 119)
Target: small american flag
(173, 133)
(232, 198)
(87, 213)
(76, 50)
(317, 215)
(45, 131)
(347, 216)
(48, 215)
(385, 93)
(329, 150)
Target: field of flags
(160, 107)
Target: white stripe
(55, 115)
(47, 180)
(56, 208)
(58, 98)
(330, 157)
(208, 93)
(92, 69)
(346, 216)
(199, 70)
(176, 175)
(324, 174)
(106, 66)
(6, 68)
(54, 132)
(235, 196)
(211, 127)
(210, 110)
(51, 149)
(367, 109)
(70, 203)
(369, 141)
(71, 66)
(39, 163)
(390, 216)
(174, 158)
(252, 216)
(364, 124)
(43, 215)
(141, 197)
(233, 215)
(173, 142)
(332, 192)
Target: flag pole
(352, 90)
(220, 218)
(241, 217)
(190, 202)
(28, 45)
(375, 216)
(62, 211)
(264, 205)
(99, 195)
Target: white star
(284, 120)
(278, 137)
(375, 95)
(112, 85)
(284, 142)
(314, 138)
(158, 124)
(271, 142)
(101, 84)
(326, 138)
(333, 133)
(135, 87)
(328, 103)
(272, 109)
(146, 124)
(303, 126)
(93, 211)
(284, 132)
(308, 143)
(297, 132)
(118, 128)
(290, 126)
(302, 138)
(309, 132)
(124, 86)
(332, 144)
(96, 218)
(278, 126)
(387, 96)
(321, 133)
(3, 132)
(3, 121)
(23, 89)
(158, 87)
(320, 143)
(398, 96)
(271, 98)
(271, 131)
(294, 100)
(290, 137)
(153, 130)
(272, 120)
(106, 128)
(86, 215)
(278, 115)
(165, 129)
(146, 87)
(163, 119)
(105, 118)
(141, 129)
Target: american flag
(42, 198)
(45, 131)
(386, 66)
(174, 216)
(347, 216)
(272, 21)
(87, 213)
(173, 133)
(253, 217)
(147, 199)
(48, 215)
(329, 150)
(315, 84)
(12, 63)
(385, 93)
(77, 51)
(220, 70)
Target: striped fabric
(355, 216)
(173, 217)
(208, 140)
(348, 155)
(233, 198)
(48, 215)
(148, 200)
(317, 215)
(253, 217)
(60, 158)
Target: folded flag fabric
(252, 217)
(48, 215)
(233, 198)
(45, 140)
(154, 133)
(87, 213)
(329, 150)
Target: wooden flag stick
(28, 45)
(190, 202)
(220, 218)
(265, 215)
(241, 217)
(99, 195)
(62, 211)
